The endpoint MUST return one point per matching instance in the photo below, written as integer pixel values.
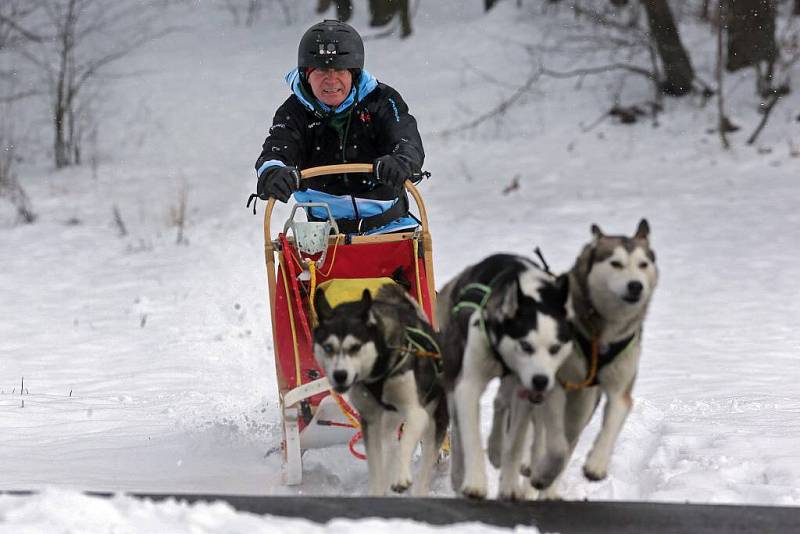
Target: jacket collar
(366, 84)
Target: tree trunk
(796, 7)
(62, 107)
(704, 14)
(751, 33)
(489, 4)
(678, 71)
(344, 8)
(383, 11)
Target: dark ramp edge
(561, 516)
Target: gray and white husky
(504, 316)
(371, 350)
(610, 286)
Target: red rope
(355, 439)
(287, 249)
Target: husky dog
(372, 349)
(504, 316)
(610, 287)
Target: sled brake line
(348, 413)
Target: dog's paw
(595, 468)
(592, 474)
(400, 486)
(402, 481)
(474, 488)
(545, 473)
(549, 494)
(514, 494)
(509, 497)
(473, 493)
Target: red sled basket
(313, 416)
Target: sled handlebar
(313, 172)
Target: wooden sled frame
(291, 397)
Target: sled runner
(303, 256)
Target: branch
(6, 99)
(598, 70)
(773, 99)
(499, 109)
(723, 120)
(605, 21)
(27, 34)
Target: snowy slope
(147, 364)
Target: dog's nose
(540, 382)
(635, 288)
(340, 377)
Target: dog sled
(303, 257)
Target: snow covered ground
(146, 363)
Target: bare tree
(14, 18)
(15, 33)
(344, 8)
(250, 10)
(722, 122)
(383, 11)
(678, 71)
(489, 4)
(10, 187)
(84, 38)
(751, 39)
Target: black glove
(392, 171)
(278, 182)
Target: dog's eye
(643, 265)
(328, 348)
(354, 349)
(526, 347)
(616, 264)
(554, 349)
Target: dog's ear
(367, 315)
(510, 302)
(643, 230)
(562, 288)
(597, 233)
(322, 307)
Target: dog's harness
(474, 297)
(597, 357)
(419, 344)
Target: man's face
(330, 86)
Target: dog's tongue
(532, 396)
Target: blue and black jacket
(373, 121)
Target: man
(339, 113)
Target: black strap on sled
(253, 198)
(365, 224)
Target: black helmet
(331, 44)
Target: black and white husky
(504, 316)
(610, 285)
(381, 352)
